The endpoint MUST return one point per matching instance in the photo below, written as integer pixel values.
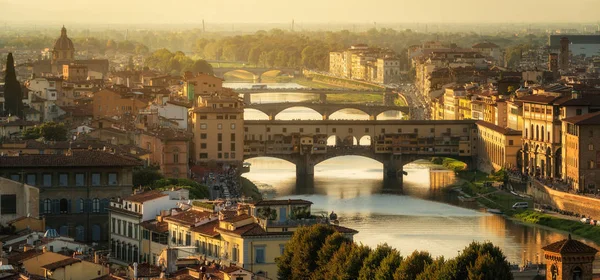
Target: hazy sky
(313, 11)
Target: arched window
(80, 205)
(577, 273)
(542, 133)
(175, 155)
(532, 134)
(47, 206)
(96, 205)
(63, 231)
(537, 132)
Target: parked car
(520, 205)
(585, 220)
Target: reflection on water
(353, 187)
(269, 85)
(409, 217)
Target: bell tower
(569, 259)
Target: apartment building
(498, 147)
(581, 151)
(365, 63)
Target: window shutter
(55, 206)
(41, 210)
(77, 206)
(88, 205)
(69, 207)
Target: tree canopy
(50, 131)
(13, 94)
(197, 190)
(319, 252)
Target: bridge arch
(254, 114)
(363, 115)
(390, 114)
(366, 140)
(286, 114)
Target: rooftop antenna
(292, 25)
(203, 26)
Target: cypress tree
(13, 95)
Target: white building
(125, 216)
(173, 111)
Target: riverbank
(473, 184)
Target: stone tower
(569, 259)
(553, 65)
(564, 54)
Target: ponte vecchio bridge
(325, 109)
(393, 143)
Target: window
(219, 147)
(232, 147)
(95, 179)
(203, 126)
(203, 155)
(176, 158)
(333, 130)
(64, 206)
(232, 126)
(15, 177)
(113, 225)
(284, 130)
(82, 206)
(591, 164)
(112, 179)
(219, 126)
(79, 179)
(301, 129)
(202, 135)
(578, 112)
(219, 137)
(96, 205)
(416, 130)
(268, 129)
(235, 253)
(350, 130)
(30, 179)
(129, 229)
(432, 130)
(232, 137)
(219, 155)
(281, 248)
(232, 155)
(47, 206)
(383, 130)
(591, 147)
(203, 117)
(510, 142)
(180, 239)
(8, 204)
(202, 145)
(318, 130)
(259, 253)
(47, 180)
(188, 239)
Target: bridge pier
(393, 169)
(305, 167)
(323, 97)
(257, 79)
(325, 117)
(247, 98)
(372, 117)
(389, 98)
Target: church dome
(63, 42)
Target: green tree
(345, 263)
(500, 268)
(413, 265)
(50, 131)
(197, 190)
(146, 176)
(372, 261)
(31, 133)
(331, 246)
(438, 269)
(388, 266)
(202, 66)
(299, 259)
(13, 95)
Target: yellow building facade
(498, 147)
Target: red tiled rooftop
(78, 158)
(569, 246)
(587, 119)
(189, 217)
(61, 263)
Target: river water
(411, 217)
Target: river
(412, 217)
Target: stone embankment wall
(588, 206)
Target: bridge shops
(393, 143)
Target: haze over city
(307, 11)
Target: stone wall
(588, 206)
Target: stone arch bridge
(325, 109)
(257, 72)
(393, 143)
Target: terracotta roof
(238, 218)
(155, 226)
(207, 229)
(78, 158)
(147, 270)
(145, 196)
(189, 217)
(231, 269)
(61, 263)
(505, 131)
(282, 202)
(586, 100)
(539, 98)
(342, 229)
(569, 246)
(587, 119)
(20, 257)
(179, 103)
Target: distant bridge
(388, 97)
(325, 109)
(394, 143)
(257, 72)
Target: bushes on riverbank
(586, 231)
(450, 163)
(320, 252)
(249, 189)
